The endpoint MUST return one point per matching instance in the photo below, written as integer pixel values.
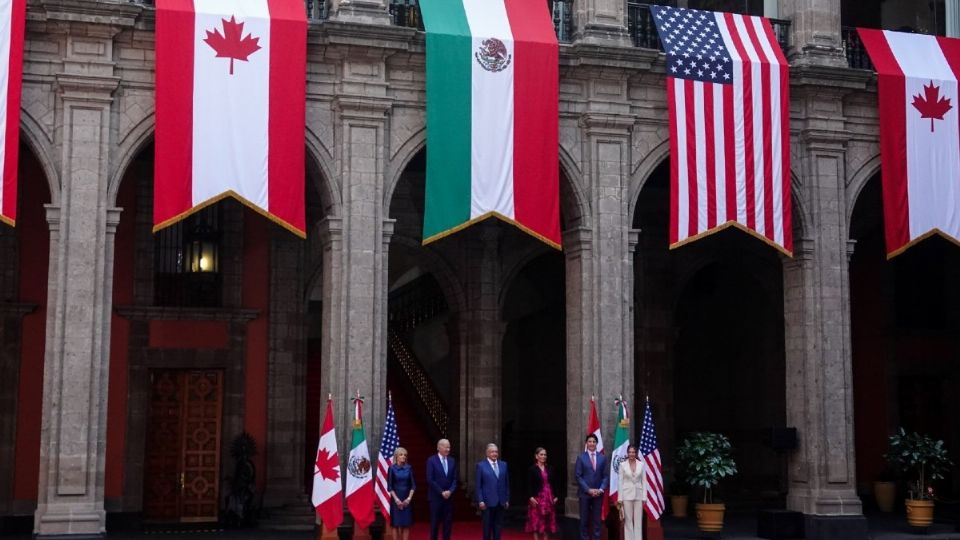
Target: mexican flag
(12, 17)
(327, 488)
(492, 116)
(359, 472)
(621, 440)
(231, 108)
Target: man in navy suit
(493, 492)
(441, 483)
(593, 477)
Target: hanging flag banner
(231, 108)
(492, 117)
(12, 17)
(919, 137)
(728, 86)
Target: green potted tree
(705, 459)
(922, 459)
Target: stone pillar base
(835, 527)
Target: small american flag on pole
(653, 467)
(728, 97)
(388, 445)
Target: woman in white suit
(632, 494)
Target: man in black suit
(441, 483)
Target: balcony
(853, 48)
(407, 13)
(643, 31)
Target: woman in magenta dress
(541, 498)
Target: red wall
(119, 338)
(34, 241)
(256, 294)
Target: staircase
(423, 416)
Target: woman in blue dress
(401, 486)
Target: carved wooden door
(182, 468)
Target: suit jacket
(492, 490)
(633, 484)
(535, 481)
(587, 478)
(437, 481)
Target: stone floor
(736, 527)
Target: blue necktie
(444, 461)
(496, 470)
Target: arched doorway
(24, 257)
(710, 344)
(210, 318)
(904, 326)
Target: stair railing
(427, 396)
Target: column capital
(329, 230)
(618, 125)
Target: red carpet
(466, 530)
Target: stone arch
(511, 273)
(638, 178)
(857, 182)
(139, 137)
(35, 139)
(440, 269)
(568, 169)
(800, 212)
(326, 183)
(142, 135)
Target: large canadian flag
(12, 15)
(919, 134)
(231, 107)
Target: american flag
(653, 467)
(728, 96)
(388, 444)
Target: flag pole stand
(327, 534)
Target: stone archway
(24, 260)
(904, 323)
(709, 343)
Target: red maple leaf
(327, 465)
(230, 44)
(931, 105)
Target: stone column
(286, 390)
(358, 296)
(819, 386)
(482, 332)
(80, 283)
(952, 16)
(360, 11)
(814, 32)
(600, 285)
(601, 22)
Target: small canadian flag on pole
(231, 108)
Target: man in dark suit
(493, 492)
(593, 477)
(441, 483)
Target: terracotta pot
(710, 517)
(678, 503)
(885, 493)
(919, 513)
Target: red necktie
(593, 460)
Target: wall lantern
(202, 250)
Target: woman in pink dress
(541, 498)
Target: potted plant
(885, 491)
(705, 459)
(922, 459)
(679, 489)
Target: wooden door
(182, 467)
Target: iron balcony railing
(857, 57)
(643, 31)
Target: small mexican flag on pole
(621, 440)
(359, 472)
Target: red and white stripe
(654, 503)
(239, 134)
(731, 142)
(12, 16)
(919, 155)
(383, 494)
